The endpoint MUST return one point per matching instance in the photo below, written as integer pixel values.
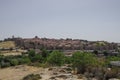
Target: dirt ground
(18, 72)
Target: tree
(82, 60)
(37, 58)
(44, 52)
(56, 58)
(31, 53)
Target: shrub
(31, 53)
(44, 52)
(4, 64)
(14, 62)
(68, 60)
(82, 60)
(56, 58)
(112, 58)
(37, 58)
(32, 77)
(1, 58)
(24, 60)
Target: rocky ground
(52, 73)
(16, 73)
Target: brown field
(7, 44)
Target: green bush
(37, 58)
(14, 62)
(68, 60)
(31, 53)
(81, 61)
(44, 53)
(112, 58)
(24, 60)
(56, 58)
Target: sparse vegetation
(83, 60)
(7, 44)
(14, 62)
(85, 63)
(56, 58)
(32, 77)
(6, 61)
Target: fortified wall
(62, 44)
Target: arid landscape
(18, 72)
(36, 62)
(59, 39)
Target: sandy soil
(18, 72)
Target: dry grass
(17, 73)
(7, 44)
(13, 52)
(10, 53)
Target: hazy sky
(81, 19)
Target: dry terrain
(7, 44)
(13, 52)
(18, 72)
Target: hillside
(7, 44)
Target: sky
(77, 19)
